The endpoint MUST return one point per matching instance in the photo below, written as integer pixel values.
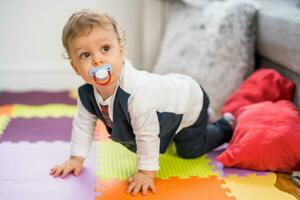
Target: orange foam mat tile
(193, 188)
(73, 94)
(6, 110)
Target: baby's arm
(82, 137)
(146, 129)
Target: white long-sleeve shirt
(149, 94)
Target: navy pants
(201, 137)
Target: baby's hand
(75, 164)
(141, 181)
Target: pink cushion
(267, 137)
(263, 85)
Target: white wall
(155, 15)
(30, 39)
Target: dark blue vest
(121, 130)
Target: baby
(145, 112)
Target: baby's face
(97, 47)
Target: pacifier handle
(104, 83)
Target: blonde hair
(83, 21)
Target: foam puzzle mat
(35, 131)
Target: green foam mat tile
(172, 165)
(116, 162)
(49, 110)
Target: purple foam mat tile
(55, 190)
(35, 98)
(226, 171)
(28, 161)
(38, 129)
(25, 170)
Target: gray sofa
(278, 39)
(277, 36)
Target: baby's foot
(211, 115)
(230, 119)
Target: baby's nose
(98, 60)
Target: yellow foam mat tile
(255, 187)
(49, 110)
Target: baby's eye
(105, 49)
(84, 55)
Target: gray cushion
(278, 32)
(214, 45)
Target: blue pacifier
(101, 74)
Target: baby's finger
(152, 187)
(58, 171)
(77, 170)
(145, 189)
(137, 188)
(52, 171)
(67, 170)
(130, 179)
(54, 168)
(130, 187)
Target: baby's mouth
(101, 74)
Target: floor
(35, 132)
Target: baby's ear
(122, 51)
(74, 67)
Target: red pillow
(263, 85)
(267, 137)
